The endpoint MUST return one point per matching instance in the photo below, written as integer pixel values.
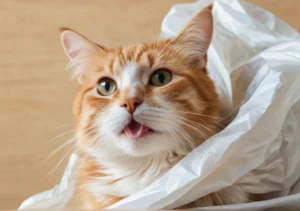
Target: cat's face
(147, 98)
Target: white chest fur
(125, 176)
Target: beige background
(36, 92)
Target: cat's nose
(131, 104)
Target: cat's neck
(120, 174)
(120, 159)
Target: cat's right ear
(79, 50)
(195, 38)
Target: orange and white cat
(141, 109)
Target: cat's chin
(151, 143)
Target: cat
(141, 109)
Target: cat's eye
(160, 77)
(106, 86)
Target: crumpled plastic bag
(254, 60)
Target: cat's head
(145, 98)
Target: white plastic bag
(255, 61)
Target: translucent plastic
(254, 59)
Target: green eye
(160, 77)
(106, 86)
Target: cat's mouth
(136, 130)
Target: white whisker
(58, 136)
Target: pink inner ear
(75, 43)
(81, 51)
(74, 54)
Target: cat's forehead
(133, 58)
(130, 72)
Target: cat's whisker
(73, 139)
(51, 173)
(176, 116)
(165, 112)
(195, 128)
(187, 137)
(188, 121)
(92, 141)
(174, 126)
(62, 126)
(83, 149)
(104, 41)
(174, 136)
(203, 115)
(194, 122)
(60, 135)
(192, 127)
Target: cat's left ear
(196, 37)
(80, 51)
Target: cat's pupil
(161, 78)
(106, 85)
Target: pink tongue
(135, 129)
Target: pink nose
(131, 104)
